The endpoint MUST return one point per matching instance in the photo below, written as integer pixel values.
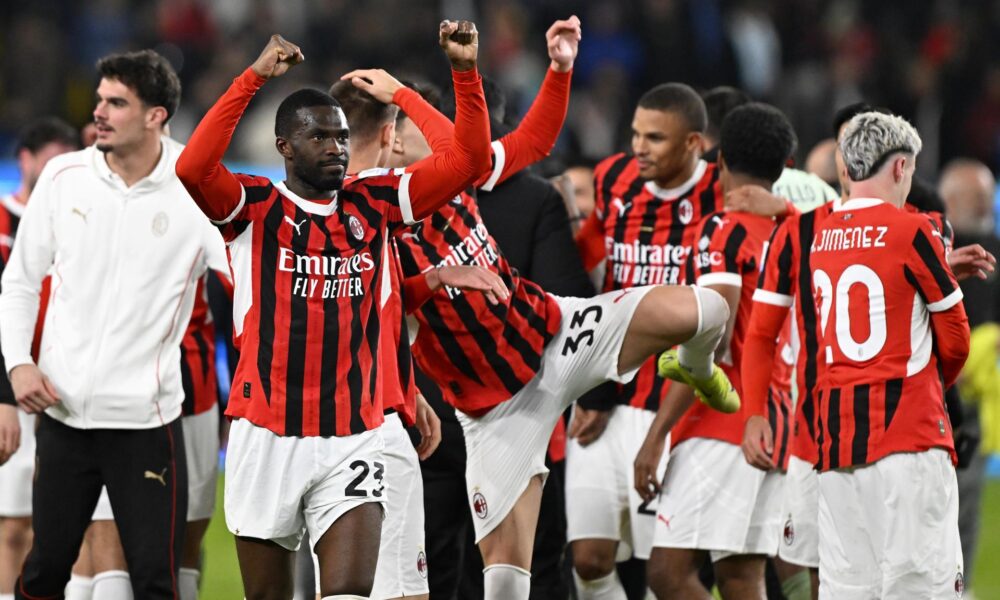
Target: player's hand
(563, 40)
(32, 389)
(429, 426)
(758, 443)
(470, 278)
(755, 200)
(646, 464)
(381, 85)
(587, 425)
(10, 432)
(460, 41)
(971, 261)
(278, 56)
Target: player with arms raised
(891, 328)
(308, 258)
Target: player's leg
(741, 577)
(201, 441)
(348, 552)
(594, 570)
(798, 551)
(15, 540)
(81, 581)
(111, 579)
(266, 568)
(507, 549)
(796, 580)
(15, 505)
(66, 487)
(145, 472)
(673, 573)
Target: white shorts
(889, 530)
(713, 500)
(506, 446)
(799, 514)
(201, 448)
(601, 501)
(17, 474)
(278, 487)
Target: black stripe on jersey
(647, 227)
(611, 177)
(452, 349)
(707, 231)
(298, 331)
(268, 301)
(820, 426)
(652, 401)
(199, 339)
(807, 304)
(373, 337)
(783, 405)
(772, 412)
(708, 196)
(403, 358)
(187, 407)
(893, 392)
(930, 259)
(862, 425)
(833, 424)
(732, 249)
(767, 252)
(785, 263)
(331, 349)
(355, 381)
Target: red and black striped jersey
(307, 310)
(395, 360)
(10, 216)
(878, 273)
(648, 233)
(728, 252)
(198, 376)
(492, 350)
(785, 280)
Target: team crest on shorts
(685, 212)
(422, 564)
(789, 532)
(959, 584)
(356, 228)
(480, 506)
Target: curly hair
(757, 140)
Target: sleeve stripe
(775, 299)
(930, 259)
(499, 161)
(947, 302)
(732, 279)
(784, 283)
(404, 199)
(236, 211)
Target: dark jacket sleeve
(555, 262)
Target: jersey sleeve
(780, 269)
(927, 269)
(720, 257)
(435, 127)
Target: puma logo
(297, 225)
(83, 215)
(160, 477)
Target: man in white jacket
(125, 246)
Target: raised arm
(199, 167)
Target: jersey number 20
(838, 296)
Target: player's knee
(15, 535)
(592, 566)
(357, 584)
(713, 311)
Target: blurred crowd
(936, 62)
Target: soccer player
(40, 140)
(892, 328)
(648, 205)
(713, 503)
(126, 248)
(517, 365)
(309, 262)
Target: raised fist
(460, 41)
(563, 40)
(278, 56)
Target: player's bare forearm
(676, 402)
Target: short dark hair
(148, 74)
(365, 114)
(680, 99)
(46, 130)
(757, 140)
(719, 102)
(285, 119)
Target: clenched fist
(278, 56)
(460, 41)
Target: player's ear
(899, 168)
(156, 117)
(695, 142)
(398, 146)
(387, 135)
(284, 148)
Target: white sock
(6, 596)
(697, 353)
(344, 597)
(112, 585)
(187, 581)
(78, 588)
(506, 582)
(608, 587)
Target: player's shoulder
(68, 162)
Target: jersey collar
(324, 210)
(676, 192)
(858, 203)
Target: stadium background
(936, 62)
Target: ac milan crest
(959, 585)
(685, 212)
(789, 532)
(480, 506)
(356, 228)
(422, 564)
